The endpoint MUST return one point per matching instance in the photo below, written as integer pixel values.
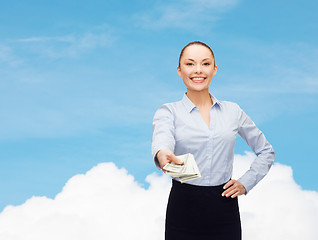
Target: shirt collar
(216, 101)
(190, 105)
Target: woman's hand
(233, 188)
(166, 156)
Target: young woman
(207, 207)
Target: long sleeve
(261, 147)
(179, 127)
(163, 132)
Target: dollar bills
(188, 171)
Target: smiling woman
(197, 68)
(207, 207)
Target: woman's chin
(198, 88)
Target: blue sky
(80, 82)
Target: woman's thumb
(175, 159)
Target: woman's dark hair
(196, 43)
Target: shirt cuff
(156, 160)
(247, 182)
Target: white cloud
(256, 74)
(185, 14)
(277, 208)
(284, 68)
(7, 56)
(69, 38)
(106, 203)
(68, 46)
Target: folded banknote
(188, 171)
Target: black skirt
(201, 213)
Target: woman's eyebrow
(194, 60)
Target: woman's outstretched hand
(233, 189)
(166, 156)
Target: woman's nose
(198, 68)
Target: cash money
(188, 171)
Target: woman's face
(197, 67)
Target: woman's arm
(163, 140)
(261, 147)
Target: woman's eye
(206, 64)
(189, 64)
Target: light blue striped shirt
(180, 128)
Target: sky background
(80, 82)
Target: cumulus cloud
(277, 208)
(107, 203)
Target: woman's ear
(215, 70)
(179, 71)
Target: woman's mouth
(197, 79)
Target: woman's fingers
(233, 189)
(166, 156)
(174, 159)
(162, 157)
(228, 184)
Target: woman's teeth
(197, 80)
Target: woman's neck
(200, 99)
